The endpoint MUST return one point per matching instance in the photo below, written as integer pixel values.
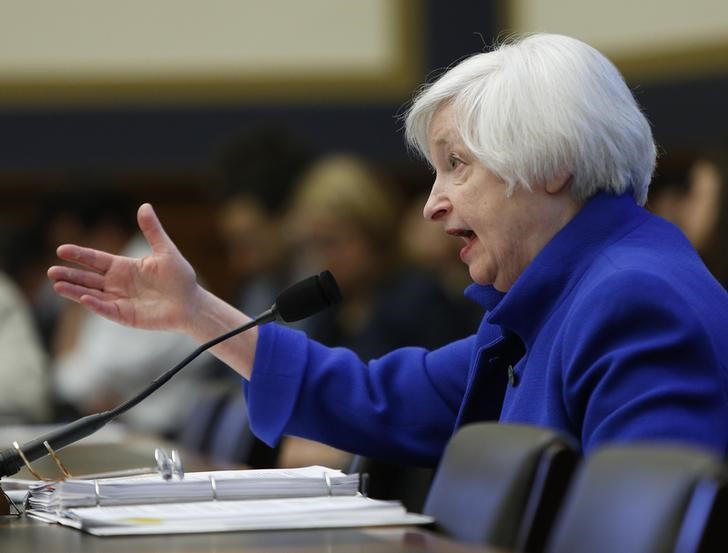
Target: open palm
(158, 291)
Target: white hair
(541, 107)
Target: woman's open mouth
(468, 236)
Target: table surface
(22, 535)
(25, 535)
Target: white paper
(222, 516)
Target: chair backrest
(194, 431)
(501, 484)
(644, 498)
(231, 438)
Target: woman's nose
(436, 206)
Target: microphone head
(307, 297)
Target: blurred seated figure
(98, 364)
(690, 191)
(67, 212)
(258, 170)
(23, 392)
(345, 217)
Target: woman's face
(251, 237)
(501, 235)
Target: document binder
(308, 497)
(194, 486)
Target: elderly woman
(601, 320)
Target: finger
(153, 231)
(75, 292)
(88, 279)
(106, 309)
(94, 259)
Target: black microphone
(301, 300)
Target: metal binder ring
(164, 463)
(177, 468)
(213, 487)
(97, 492)
(327, 481)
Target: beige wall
(229, 46)
(647, 38)
(295, 50)
(158, 38)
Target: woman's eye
(454, 161)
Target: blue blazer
(615, 332)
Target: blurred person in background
(345, 216)
(258, 169)
(79, 207)
(23, 362)
(66, 212)
(691, 191)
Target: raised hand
(159, 291)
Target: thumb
(153, 230)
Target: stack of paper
(225, 516)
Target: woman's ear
(558, 183)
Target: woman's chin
(478, 277)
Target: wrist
(209, 316)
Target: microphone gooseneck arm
(296, 302)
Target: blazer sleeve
(400, 407)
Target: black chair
(645, 499)
(501, 484)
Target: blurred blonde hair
(346, 188)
